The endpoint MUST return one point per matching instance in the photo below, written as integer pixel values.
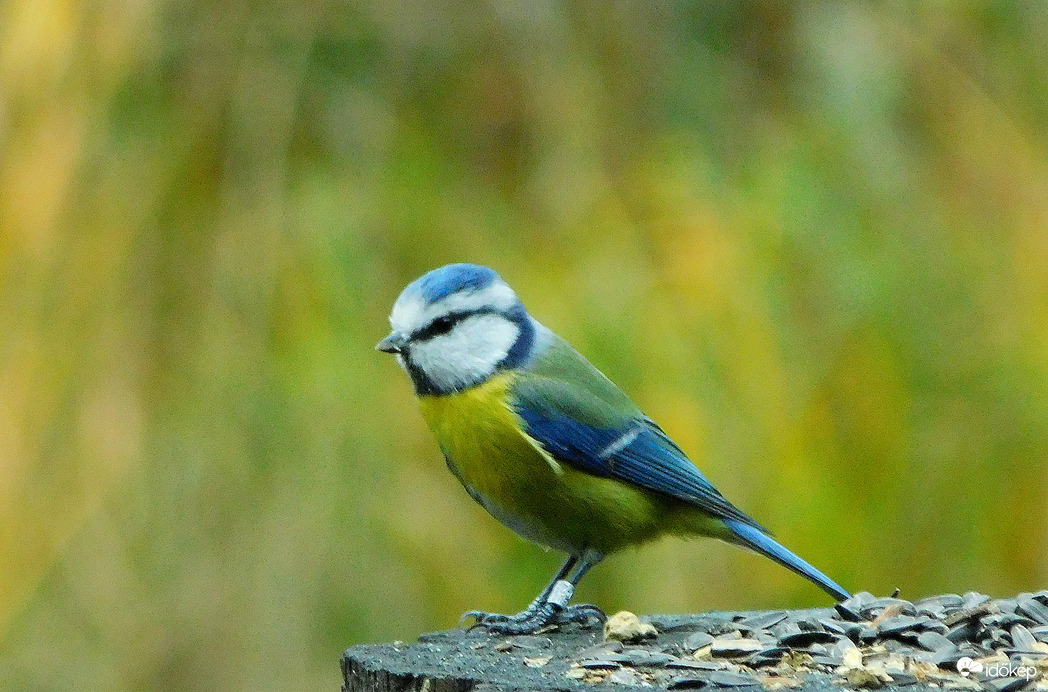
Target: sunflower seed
(1022, 638)
(1006, 620)
(697, 640)
(932, 611)
(734, 647)
(900, 678)
(656, 659)
(866, 635)
(1033, 608)
(1007, 684)
(726, 679)
(834, 626)
(847, 611)
(827, 660)
(763, 621)
(973, 613)
(841, 645)
(933, 641)
(784, 629)
(973, 599)
(929, 624)
(767, 657)
(962, 632)
(947, 657)
(685, 664)
(946, 600)
(896, 624)
(598, 664)
(799, 640)
(611, 656)
(873, 608)
(704, 665)
(634, 657)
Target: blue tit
(547, 444)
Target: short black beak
(394, 343)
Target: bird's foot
(483, 619)
(536, 618)
(551, 608)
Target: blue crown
(450, 279)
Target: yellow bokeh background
(811, 240)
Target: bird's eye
(441, 325)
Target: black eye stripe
(445, 323)
(441, 325)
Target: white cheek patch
(468, 354)
(411, 312)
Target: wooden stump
(689, 652)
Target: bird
(548, 445)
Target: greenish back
(568, 384)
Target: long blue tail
(764, 544)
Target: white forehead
(412, 311)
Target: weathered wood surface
(457, 661)
(461, 661)
(863, 643)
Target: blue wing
(582, 418)
(636, 451)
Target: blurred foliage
(810, 239)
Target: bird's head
(456, 326)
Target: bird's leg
(551, 605)
(486, 619)
(581, 612)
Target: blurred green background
(810, 239)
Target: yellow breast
(485, 444)
(525, 488)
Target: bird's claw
(582, 613)
(480, 617)
(535, 618)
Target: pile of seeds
(961, 642)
